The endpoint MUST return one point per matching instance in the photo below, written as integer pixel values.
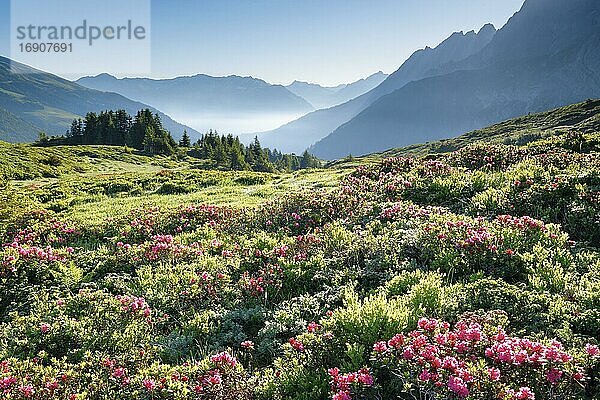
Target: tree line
(145, 133)
(228, 152)
(117, 128)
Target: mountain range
(325, 97)
(32, 101)
(229, 103)
(299, 134)
(546, 56)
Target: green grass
(93, 183)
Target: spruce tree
(185, 140)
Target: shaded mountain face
(207, 102)
(297, 135)
(546, 56)
(34, 101)
(325, 97)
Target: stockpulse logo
(89, 33)
(81, 37)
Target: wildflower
(494, 374)
(247, 344)
(296, 344)
(44, 327)
(380, 347)
(341, 395)
(578, 376)
(592, 350)
(525, 393)
(118, 373)
(214, 378)
(149, 384)
(553, 375)
(313, 327)
(224, 359)
(458, 386)
(27, 391)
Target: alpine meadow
(431, 233)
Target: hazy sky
(323, 41)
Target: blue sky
(323, 41)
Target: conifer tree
(185, 140)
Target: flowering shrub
(471, 360)
(314, 294)
(344, 385)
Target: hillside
(582, 117)
(297, 135)
(44, 102)
(546, 56)
(145, 277)
(12, 127)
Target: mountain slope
(581, 117)
(546, 56)
(325, 97)
(297, 135)
(12, 127)
(42, 101)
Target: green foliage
(158, 264)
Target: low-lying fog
(236, 124)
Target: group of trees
(145, 132)
(228, 152)
(117, 128)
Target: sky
(322, 41)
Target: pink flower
(52, 385)
(149, 384)
(458, 386)
(341, 395)
(396, 341)
(214, 378)
(365, 377)
(592, 350)
(554, 375)
(427, 324)
(247, 344)
(494, 374)
(296, 344)
(44, 327)
(27, 391)
(313, 327)
(425, 375)
(118, 373)
(224, 359)
(380, 347)
(525, 393)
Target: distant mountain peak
(487, 28)
(328, 96)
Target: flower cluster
(15, 252)
(135, 306)
(344, 385)
(270, 277)
(465, 360)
